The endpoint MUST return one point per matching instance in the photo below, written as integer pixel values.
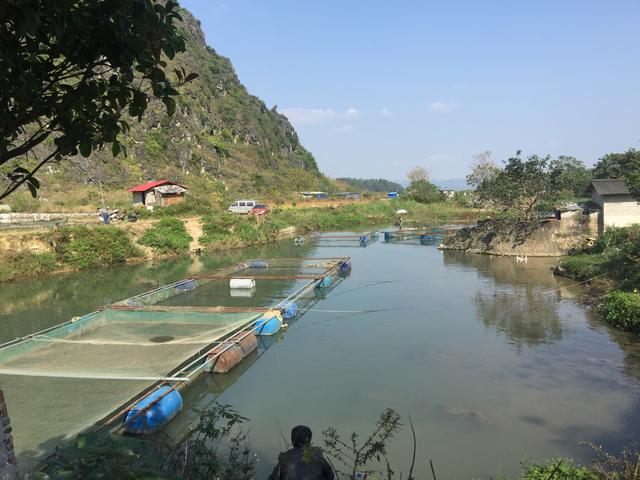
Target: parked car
(242, 206)
(260, 209)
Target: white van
(242, 206)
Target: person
(399, 223)
(302, 462)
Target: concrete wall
(20, 218)
(620, 211)
(8, 465)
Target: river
(496, 362)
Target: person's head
(300, 436)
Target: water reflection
(518, 300)
(32, 305)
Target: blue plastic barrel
(157, 415)
(325, 282)
(345, 265)
(267, 326)
(290, 310)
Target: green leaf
(170, 104)
(192, 76)
(85, 149)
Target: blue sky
(375, 88)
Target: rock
(561, 272)
(4, 208)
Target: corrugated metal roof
(149, 185)
(608, 186)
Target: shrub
(560, 469)
(584, 266)
(168, 235)
(83, 247)
(621, 309)
(26, 265)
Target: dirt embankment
(538, 238)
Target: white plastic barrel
(242, 292)
(242, 283)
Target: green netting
(45, 411)
(162, 293)
(120, 344)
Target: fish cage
(342, 240)
(119, 366)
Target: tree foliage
(569, 176)
(519, 186)
(420, 188)
(624, 166)
(372, 184)
(71, 69)
(482, 170)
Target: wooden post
(8, 462)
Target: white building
(617, 207)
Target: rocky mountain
(220, 135)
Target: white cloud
(442, 107)
(351, 113)
(314, 116)
(384, 112)
(308, 116)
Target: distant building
(316, 195)
(447, 193)
(617, 207)
(349, 195)
(160, 193)
(392, 195)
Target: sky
(375, 88)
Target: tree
(420, 188)
(624, 166)
(482, 170)
(520, 186)
(418, 174)
(569, 175)
(617, 165)
(71, 69)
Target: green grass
(621, 310)
(83, 247)
(220, 228)
(169, 235)
(584, 266)
(558, 469)
(26, 265)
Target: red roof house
(159, 193)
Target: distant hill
(220, 135)
(372, 184)
(452, 184)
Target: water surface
(495, 361)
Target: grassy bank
(73, 248)
(612, 267)
(222, 229)
(86, 247)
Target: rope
(575, 284)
